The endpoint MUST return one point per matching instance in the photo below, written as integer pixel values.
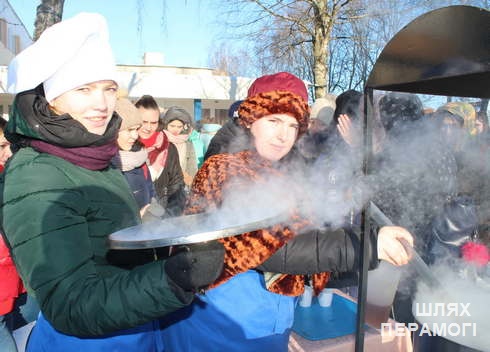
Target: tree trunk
(48, 13)
(323, 23)
(320, 65)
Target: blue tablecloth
(319, 323)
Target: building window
(205, 114)
(3, 31)
(16, 45)
(221, 115)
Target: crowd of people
(85, 161)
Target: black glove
(196, 266)
(454, 226)
(457, 223)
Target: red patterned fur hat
(280, 93)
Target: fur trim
(248, 250)
(274, 102)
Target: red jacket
(10, 283)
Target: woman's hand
(348, 131)
(390, 246)
(143, 210)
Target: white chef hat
(67, 55)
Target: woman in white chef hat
(61, 200)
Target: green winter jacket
(57, 217)
(195, 138)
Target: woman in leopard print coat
(251, 305)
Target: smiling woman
(63, 131)
(91, 104)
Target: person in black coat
(163, 159)
(230, 138)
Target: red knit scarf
(248, 250)
(157, 147)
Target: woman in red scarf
(163, 158)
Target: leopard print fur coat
(248, 250)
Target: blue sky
(185, 39)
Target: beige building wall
(13, 39)
(170, 86)
(187, 87)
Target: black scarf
(32, 123)
(32, 118)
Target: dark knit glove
(454, 226)
(196, 266)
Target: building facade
(205, 93)
(14, 38)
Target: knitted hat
(130, 115)
(464, 111)
(323, 109)
(397, 109)
(348, 103)
(280, 93)
(177, 113)
(67, 55)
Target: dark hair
(3, 123)
(349, 103)
(147, 102)
(161, 122)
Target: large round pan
(191, 229)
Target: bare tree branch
(48, 13)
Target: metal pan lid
(192, 229)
